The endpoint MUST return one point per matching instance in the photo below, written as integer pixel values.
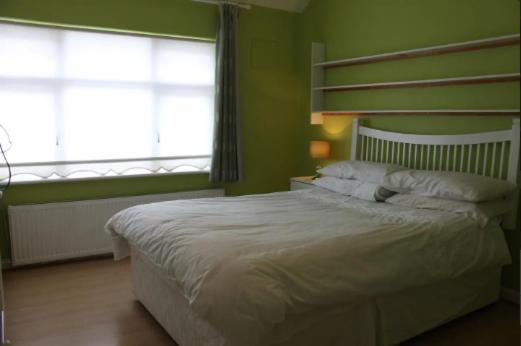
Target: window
(78, 103)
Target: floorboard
(91, 304)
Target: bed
(314, 267)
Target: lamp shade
(319, 149)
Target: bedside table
(301, 183)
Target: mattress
(382, 321)
(245, 264)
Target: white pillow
(343, 186)
(481, 212)
(450, 185)
(370, 172)
(355, 188)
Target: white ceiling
(287, 5)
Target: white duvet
(245, 263)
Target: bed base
(386, 320)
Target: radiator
(58, 231)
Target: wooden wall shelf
(498, 78)
(493, 42)
(487, 112)
(319, 64)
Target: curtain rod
(217, 2)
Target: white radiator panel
(57, 231)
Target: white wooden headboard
(492, 154)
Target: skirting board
(510, 295)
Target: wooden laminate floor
(91, 304)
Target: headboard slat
(376, 140)
(454, 157)
(372, 148)
(386, 151)
(403, 154)
(485, 161)
(421, 156)
(469, 157)
(379, 146)
(434, 153)
(428, 156)
(502, 160)
(409, 159)
(447, 157)
(362, 148)
(476, 171)
(392, 154)
(493, 168)
(398, 152)
(415, 155)
(462, 158)
(513, 161)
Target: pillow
(481, 212)
(370, 172)
(342, 186)
(449, 185)
(355, 188)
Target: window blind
(81, 104)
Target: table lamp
(319, 150)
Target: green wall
(365, 27)
(268, 90)
(275, 65)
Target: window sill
(96, 178)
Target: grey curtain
(227, 161)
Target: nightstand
(301, 183)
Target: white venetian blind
(79, 103)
